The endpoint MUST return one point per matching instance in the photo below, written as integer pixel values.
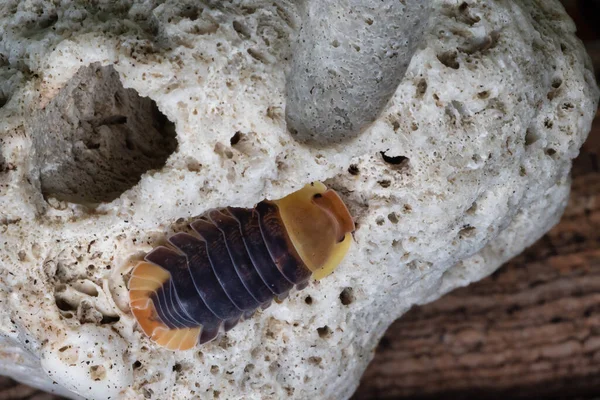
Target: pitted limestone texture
(103, 137)
(348, 60)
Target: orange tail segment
(145, 280)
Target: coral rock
(120, 121)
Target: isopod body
(236, 261)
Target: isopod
(237, 260)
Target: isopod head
(319, 226)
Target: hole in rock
(308, 300)
(556, 83)
(347, 296)
(95, 139)
(241, 30)
(324, 332)
(315, 360)
(421, 87)
(399, 161)
(550, 152)
(109, 319)
(483, 95)
(467, 232)
(235, 139)
(147, 392)
(449, 59)
(97, 372)
(63, 305)
(353, 169)
(531, 136)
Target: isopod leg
(230, 323)
(208, 334)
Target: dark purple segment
(278, 244)
(255, 245)
(230, 228)
(162, 306)
(208, 334)
(229, 324)
(166, 308)
(223, 266)
(266, 305)
(184, 290)
(176, 306)
(282, 297)
(192, 306)
(203, 276)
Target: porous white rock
(494, 106)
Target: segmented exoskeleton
(237, 261)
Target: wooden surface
(11, 390)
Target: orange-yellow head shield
(319, 226)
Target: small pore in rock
(235, 139)
(550, 152)
(398, 161)
(353, 169)
(315, 360)
(386, 183)
(421, 87)
(324, 332)
(97, 372)
(449, 59)
(347, 296)
(242, 30)
(467, 232)
(531, 136)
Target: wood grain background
(531, 330)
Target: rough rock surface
(340, 80)
(467, 164)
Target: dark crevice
(96, 139)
